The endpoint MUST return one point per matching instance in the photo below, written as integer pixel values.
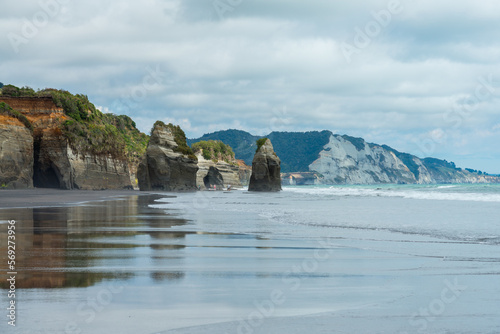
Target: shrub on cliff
(260, 142)
(136, 142)
(13, 91)
(5, 109)
(214, 150)
(77, 106)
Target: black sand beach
(238, 262)
(26, 198)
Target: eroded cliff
(73, 145)
(169, 164)
(16, 153)
(219, 157)
(266, 170)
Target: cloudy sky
(421, 76)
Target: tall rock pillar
(266, 168)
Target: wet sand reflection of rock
(79, 246)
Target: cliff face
(265, 169)
(230, 172)
(244, 172)
(16, 154)
(164, 168)
(347, 160)
(32, 105)
(54, 163)
(58, 165)
(341, 162)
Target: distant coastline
(54, 139)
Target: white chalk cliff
(348, 160)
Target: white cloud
(237, 71)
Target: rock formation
(217, 156)
(229, 171)
(213, 178)
(165, 167)
(54, 162)
(265, 168)
(244, 172)
(16, 154)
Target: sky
(420, 76)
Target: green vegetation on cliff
(359, 143)
(88, 130)
(242, 143)
(214, 150)
(260, 142)
(5, 109)
(13, 91)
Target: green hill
(297, 150)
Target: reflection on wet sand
(79, 246)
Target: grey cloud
(264, 57)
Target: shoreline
(46, 197)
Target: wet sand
(26, 198)
(215, 262)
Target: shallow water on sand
(390, 259)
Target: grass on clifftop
(5, 109)
(260, 143)
(89, 130)
(214, 150)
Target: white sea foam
(446, 192)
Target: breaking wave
(476, 193)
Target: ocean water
(357, 259)
(316, 259)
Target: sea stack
(265, 168)
(213, 178)
(169, 164)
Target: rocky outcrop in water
(265, 168)
(229, 171)
(165, 167)
(213, 179)
(16, 154)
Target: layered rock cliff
(218, 157)
(16, 152)
(265, 168)
(244, 172)
(58, 164)
(169, 164)
(73, 145)
(230, 172)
